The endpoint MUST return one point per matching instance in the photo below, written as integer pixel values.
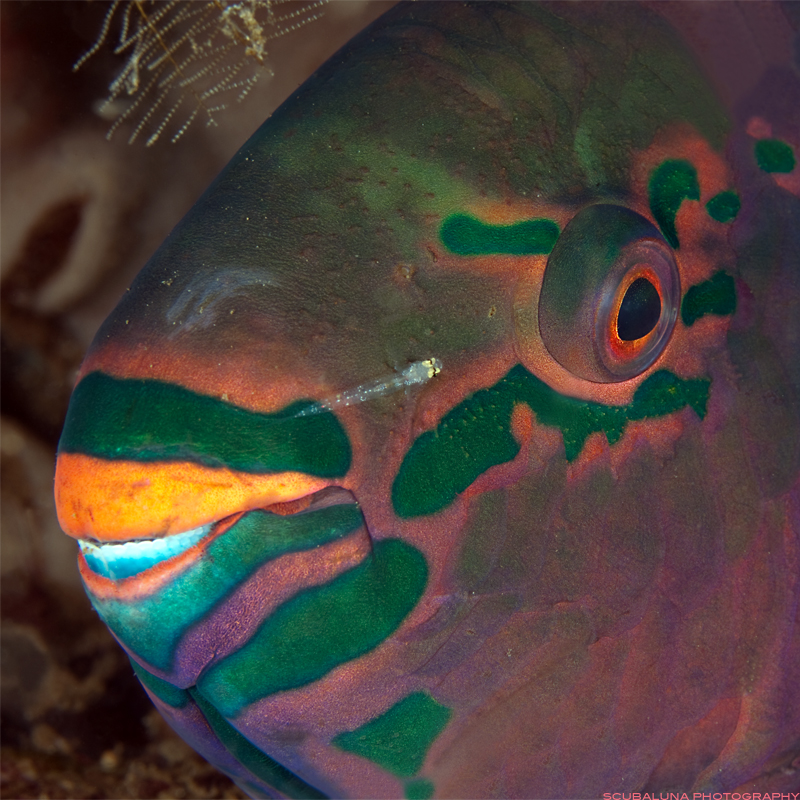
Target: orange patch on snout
(120, 500)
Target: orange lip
(121, 500)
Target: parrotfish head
(450, 444)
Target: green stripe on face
(476, 434)
(257, 761)
(717, 295)
(773, 155)
(671, 183)
(163, 690)
(467, 236)
(148, 420)
(152, 627)
(399, 739)
(724, 207)
(321, 628)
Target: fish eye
(610, 295)
(639, 310)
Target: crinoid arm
(187, 59)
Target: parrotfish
(449, 446)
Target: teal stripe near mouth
(321, 628)
(148, 420)
(152, 627)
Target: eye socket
(610, 295)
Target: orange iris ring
(621, 350)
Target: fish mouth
(120, 560)
(133, 558)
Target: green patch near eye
(724, 207)
(717, 295)
(399, 739)
(476, 434)
(153, 626)
(321, 628)
(148, 420)
(773, 155)
(467, 236)
(257, 761)
(671, 183)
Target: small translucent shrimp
(414, 374)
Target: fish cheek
(552, 535)
(606, 589)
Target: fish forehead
(621, 613)
(321, 238)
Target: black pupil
(639, 310)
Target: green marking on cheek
(467, 236)
(257, 761)
(399, 739)
(163, 690)
(476, 434)
(321, 628)
(671, 183)
(724, 206)
(717, 295)
(773, 155)
(148, 420)
(152, 627)
(473, 437)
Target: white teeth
(121, 560)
